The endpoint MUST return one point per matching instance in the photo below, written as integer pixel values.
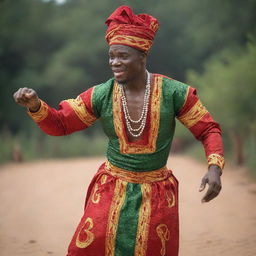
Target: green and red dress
(131, 205)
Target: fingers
(24, 96)
(203, 184)
(213, 190)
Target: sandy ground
(41, 204)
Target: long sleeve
(72, 115)
(199, 121)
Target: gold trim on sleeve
(41, 114)
(216, 159)
(81, 111)
(194, 115)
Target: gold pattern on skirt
(144, 220)
(164, 235)
(194, 115)
(138, 177)
(113, 217)
(86, 229)
(96, 195)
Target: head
(126, 63)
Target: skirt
(129, 214)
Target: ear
(144, 57)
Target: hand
(27, 97)
(212, 177)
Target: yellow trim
(81, 111)
(114, 213)
(138, 177)
(194, 115)
(130, 147)
(41, 114)
(216, 159)
(186, 97)
(144, 220)
(132, 41)
(89, 234)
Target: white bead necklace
(136, 132)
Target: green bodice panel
(172, 98)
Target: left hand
(212, 177)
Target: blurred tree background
(59, 49)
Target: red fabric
(206, 129)
(123, 22)
(64, 120)
(161, 214)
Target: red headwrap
(126, 28)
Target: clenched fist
(27, 97)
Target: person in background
(131, 206)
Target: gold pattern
(138, 177)
(114, 213)
(132, 41)
(194, 115)
(170, 197)
(87, 227)
(41, 114)
(96, 195)
(81, 111)
(135, 148)
(144, 220)
(217, 160)
(164, 234)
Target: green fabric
(172, 100)
(128, 221)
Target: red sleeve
(199, 121)
(72, 115)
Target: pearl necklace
(136, 132)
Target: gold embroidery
(195, 114)
(96, 195)
(41, 114)
(80, 109)
(86, 229)
(164, 235)
(217, 160)
(115, 208)
(134, 148)
(132, 41)
(138, 177)
(144, 219)
(170, 197)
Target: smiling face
(126, 63)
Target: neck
(138, 83)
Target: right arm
(72, 115)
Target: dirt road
(41, 204)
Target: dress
(131, 205)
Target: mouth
(118, 73)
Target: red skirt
(129, 213)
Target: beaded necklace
(136, 132)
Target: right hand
(27, 97)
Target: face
(126, 63)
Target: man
(131, 206)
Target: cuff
(215, 159)
(41, 114)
